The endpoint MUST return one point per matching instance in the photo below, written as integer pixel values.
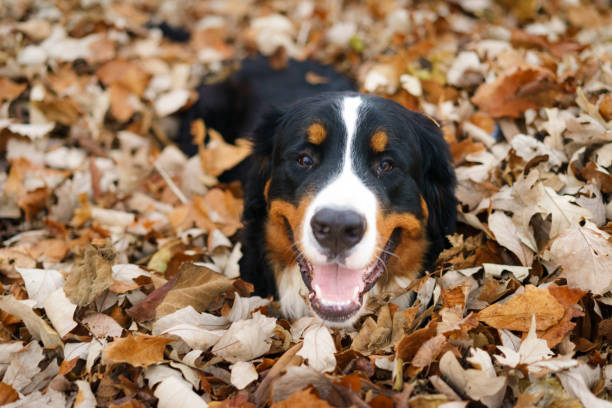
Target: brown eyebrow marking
(379, 141)
(316, 133)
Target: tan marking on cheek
(411, 248)
(267, 189)
(280, 249)
(316, 133)
(409, 261)
(424, 208)
(379, 141)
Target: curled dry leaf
(246, 339)
(34, 323)
(319, 349)
(92, 276)
(175, 392)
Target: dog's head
(359, 190)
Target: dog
(345, 194)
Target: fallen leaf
(319, 349)
(91, 276)
(7, 394)
(585, 254)
(34, 323)
(218, 155)
(60, 312)
(199, 330)
(40, 283)
(505, 95)
(516, 314)
(174, 392)
(243, 373)
(246, 339)
(574, 382)
(302, 399)
(196, 286)
(9, 90)
(480, 385)
(85, 397)
(139, 351)
(23, 366)
(102, 325)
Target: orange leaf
(516, 313)
(7, 394)
(10, 90)
(302, 399)
(139, 351)
(504, 96)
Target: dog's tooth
(355, 292)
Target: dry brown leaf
(516, 314)
(120, 105)
(411, 343)
(139, 351)
(125, 73)
(218, 155)
(196, 286)
(302, 399)
(505, 95)
(585, 254)
(9, 90)
(7, 394)
(92, 276)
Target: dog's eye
(383, 166)
(305, 160)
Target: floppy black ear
(253, 265)
(439, 183)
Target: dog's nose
(337, 230)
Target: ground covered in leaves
(119, 254)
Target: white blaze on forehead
(345, 190)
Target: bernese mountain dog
(346, 194)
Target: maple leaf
(516, 314)
(535, 354)
(585, 254)
(503, 97)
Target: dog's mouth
(336, 292)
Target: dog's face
(349, 189)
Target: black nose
(337, 230)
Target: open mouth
(336, 292)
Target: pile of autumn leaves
(121, 288)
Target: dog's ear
(253, 265)
(439, 183)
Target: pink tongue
(334, 283)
